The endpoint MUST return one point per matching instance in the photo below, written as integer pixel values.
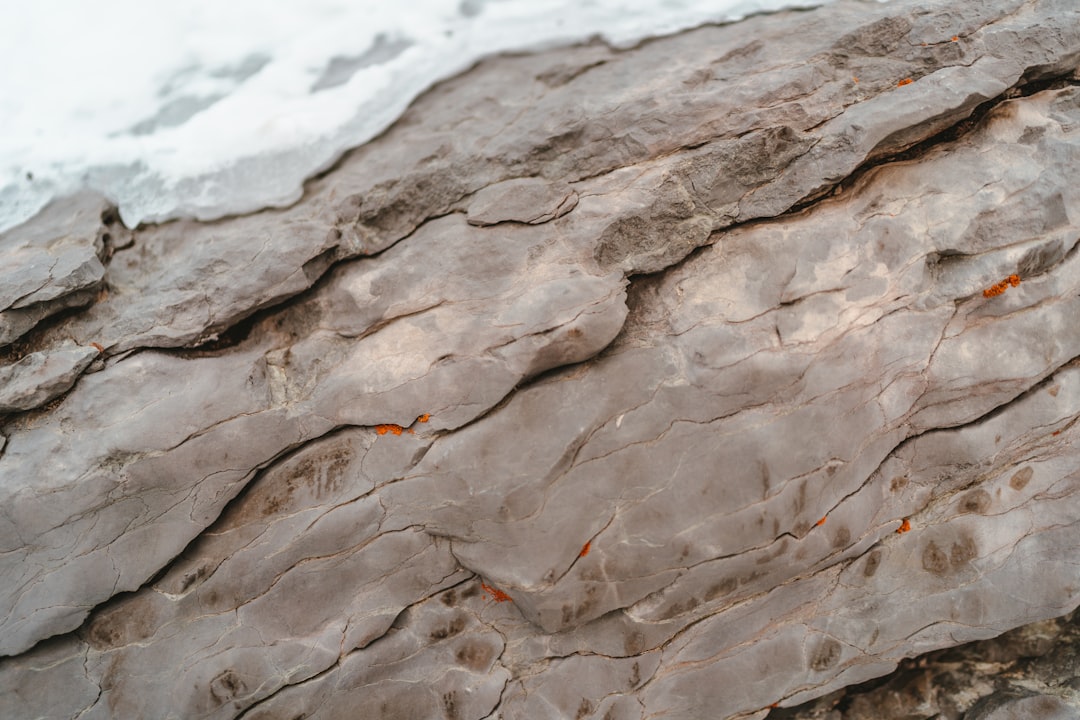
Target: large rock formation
(679, 381)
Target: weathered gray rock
(50, 264)
(583, 422)
(527, 200)
(42, 376)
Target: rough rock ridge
(653, 383)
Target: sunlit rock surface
(681, 381)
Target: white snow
(206, 108)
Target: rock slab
(695, 379)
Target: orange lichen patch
(999, 288)
(955, 38)
(820, 522)
(97, 347)
(585, 549)
(496, 594)
(904, 526)
(389, 428)
(855, 80)
(423, 418)
(905, 81)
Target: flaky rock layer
(606, 384)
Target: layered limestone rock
(52, 264)
(680, 381)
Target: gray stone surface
(50, 264)
(527, 200)
(599, 386)
(42, 376)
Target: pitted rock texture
(606, 384)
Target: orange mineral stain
(584, 549)
(999, 288)
(820, 522)
(905, 81)
(955, 38)
(97, 347)
(496, 594)
(904, 526)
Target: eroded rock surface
(606, 384)
(51, 264)
(41, 376)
